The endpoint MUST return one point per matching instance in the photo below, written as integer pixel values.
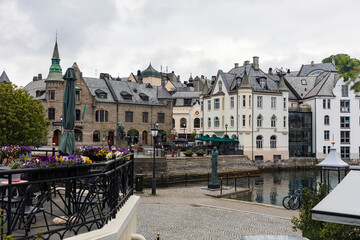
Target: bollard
(220, 186)
(158, 236)
(185, 179)
(235, 183)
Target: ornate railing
(60, 202)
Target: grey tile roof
(95, 84)
(34, 86)
(324, 87)
(299, 89)
(4, 78)
(186, 95)
(312, 69)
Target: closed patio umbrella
(67, 141)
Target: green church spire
(55, 60)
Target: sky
(185, 36)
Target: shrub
(320, 230)
(188, 153)
(200, 152)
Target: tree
(22, 119)
(348, 68)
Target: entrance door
(56, 137)
(145, 138)
(111, 137)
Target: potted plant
(200, 152)
(188, 153)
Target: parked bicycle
(293, 201)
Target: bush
(188, 153)
(320, 230)
(200, 152)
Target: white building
(251, 106)
(335, 109)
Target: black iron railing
(60, 202)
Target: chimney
(35, 78)
(247, 62)
(288, 71)
(104, 75)
(236, 65)
(270, 71)
(256, 63)
(312, 63)
(39, 76)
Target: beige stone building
(101, 104)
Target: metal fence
(59, 202)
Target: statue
(120, 131)
(214, 183)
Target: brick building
(101, 104)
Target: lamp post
(226, 126)
(61, 123)
(154, 133)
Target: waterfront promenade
(187, 213)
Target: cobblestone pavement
(186, 213)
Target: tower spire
(55, 71)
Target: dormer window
(144, 97)
(39, 93)
(220, 86)
(149, 85)
(100, 94)
(238, 81)
(126, 95)
(303, 82)
(262, 82)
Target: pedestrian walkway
(187, 213)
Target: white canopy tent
(342, 204)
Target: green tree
(22, 119)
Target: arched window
(220, 86)
(209, 122)
(101, 116)
(259, 141)
(273, 121)
(259, 121)
(216, 122)
(96, 136)
(273, 141)
(196, 122)
(183, 123)
(77, 114)
(232, 122)
(78, 135)
(234, 136)
(326, 120)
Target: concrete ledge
(119, 228)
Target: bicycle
(293, 201)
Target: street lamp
(226, 125)
(154, 133)
(61, 123)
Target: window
(285, 122)
(273, 121)
(259, 121)
(344, 122)
(216, 103)
(232, 122)
(77, 114)
(324, 149)
(51, 113)
(326, 120)
(201, 122)
(173, 123)
(145, 97)
(209, 122)
(324, 103)
(326, 135)
(249, 101)
(328, 149)
(129, 116)
(273, 102)
(101, 94)
(285, 100)
(303, 82)
(273, 141)
(262, 83)
(232, 102)
(249, 120)
(202, 105)
(209, 105)
(78, 135)
(101, 116)
(244, 100)
(345, 137)
(259, 141)
(161, 117)
(216, 122)
(145, 117)
(259, 101)
(329, 103)
(220, 86)
(183, 123)
(52, 94)
(77, 96)
(344, 105)
(223, 104)
(196, 122)
(126, 95)
(187, 102)
(96, 136)
(243, 120)
(345, 152)
(344, 91)
(223, 121)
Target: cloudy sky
(187, 36)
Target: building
(334, 107)
(101, 104)
(4, 78)
(249, 105)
